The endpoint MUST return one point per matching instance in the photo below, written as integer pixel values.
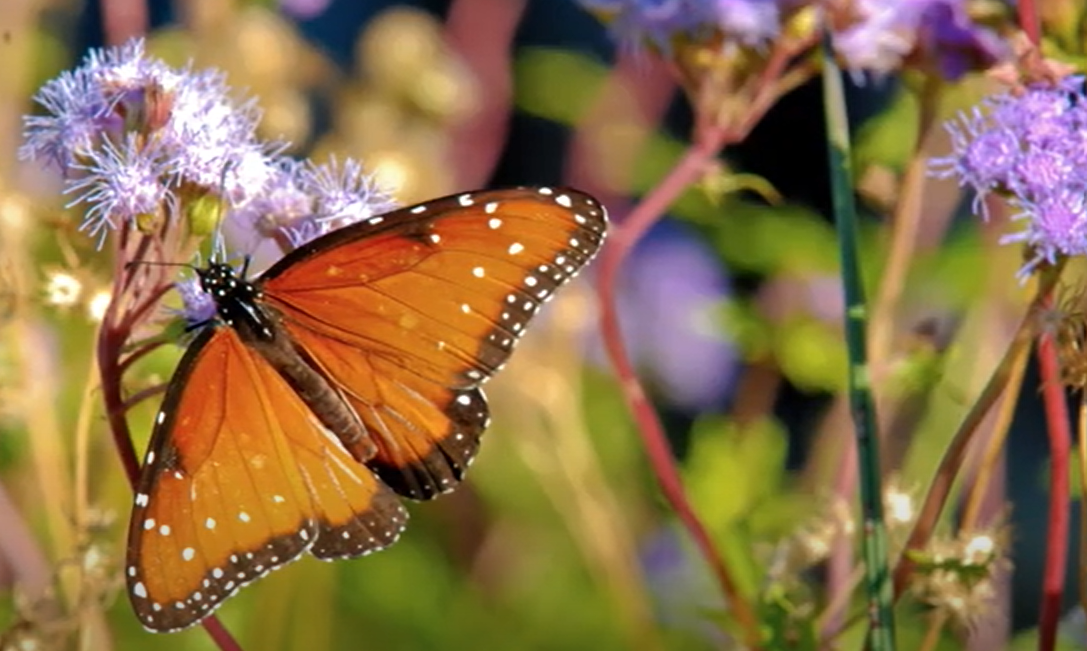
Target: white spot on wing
(418, 209)
(188, 553)
(243, 516)
(490, 209)
(478, 272)
(564, 201)
(140, 590)
(493, 222)
(209, 523)
(141, 499)
(465, 200)
(149, 524)
(546, 191)
(165, 530)
(516, 248)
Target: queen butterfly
(346, 375)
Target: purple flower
(680, 584)
(197, 306)
(658, 22)
(301, 201)
(1032, 146)
(636, 22)
(883, 34)
(304, 9)
(130, 180)
(137, 139)
(947, 36)
(128, 131)
(669, 307)
(343, 194)
(751, 22)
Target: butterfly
(344, 377)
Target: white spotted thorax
(495, 257)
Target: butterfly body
(346, 375)
(236, 300)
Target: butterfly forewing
(239, 479)
(409, 313)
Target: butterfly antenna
(151, 263)
(218, 244)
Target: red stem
(1028, 20)
(110, 373)
(622, 241)
(1060, 443)
(479, 139)
(218, 633)
(116, 328)
(142, 395)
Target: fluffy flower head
(1029, 145)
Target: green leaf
(731, 469)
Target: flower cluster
(139, 142)
(143, 144)
(955, 576)
(880, 36)
(877, 36)
(1030, 145)
(658, 22)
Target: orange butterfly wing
(409, 313)
(239, 479)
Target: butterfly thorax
(236, 301)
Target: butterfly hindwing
(240, 479)
(408, 313)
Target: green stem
(877, 576)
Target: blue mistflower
(301, 201)
(131, 134)
(197, 306)
(669, 307)
(1031, 146)
(127, 180)
(128, 131)
(344, 194)
(658, 22)
(883, 34)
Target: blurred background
(558, 540)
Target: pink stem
(481, 32)
(622, 241)
(1028, 20)
(1060, 443)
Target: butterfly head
(235, 297)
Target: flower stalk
(881, 631)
